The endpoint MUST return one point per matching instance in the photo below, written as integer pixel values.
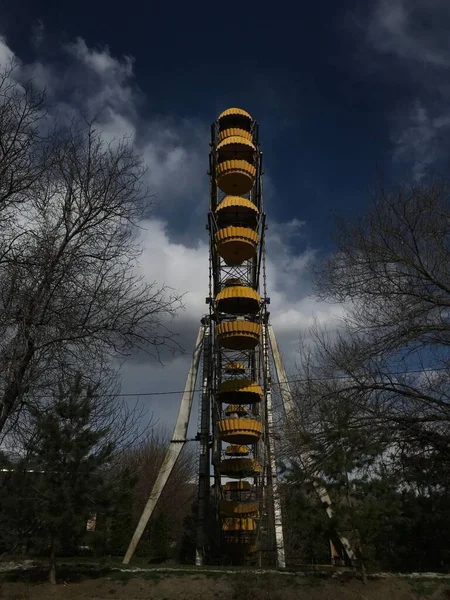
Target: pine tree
(160, 537)
(121, 525)
(308, 533)
(72, 454)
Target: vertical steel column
(305, 460)
(277, 516)
(204, 438)
(214, 289)
(175, 446)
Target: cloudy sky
(345, 92)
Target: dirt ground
(214, 586)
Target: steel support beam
(205, 458)
(175, 446)
(276, 499)
(291, 417)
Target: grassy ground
(83, 580)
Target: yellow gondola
(235, 176)
(236, 148)
(236, 244)
(236, 409)
(235, 368)
(238, 300)
(236, 450)
(229, 508)
(239, 431)
(235, 117)
(245, 524)
(237, 486)
(238, 335)
(234, 210)
(233, 132)
(238, 468)
(239, 391)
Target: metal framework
(239, 516)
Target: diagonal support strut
(273, 475)
(175, 446)
(304, 457)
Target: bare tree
(25, 145)
(70, 292)
(391, 271)
(144, 460)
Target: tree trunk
(52, 572)
(15, 386)
(359, 554)
(362, 565)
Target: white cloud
(411, 29)
(415, 34)
(419, 139)
(180, 267)
(175, 241)
(293, 310)
(109, 81)
(177, 163)
(175, 150)
(286, 269)
(6, 54)
(102, 62)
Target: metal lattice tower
(239, 515)
(244, 507)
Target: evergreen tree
(121, 525)
(308, 533)
(160, 537)
(70, 485)
(390, 498)
(188, 541)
